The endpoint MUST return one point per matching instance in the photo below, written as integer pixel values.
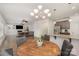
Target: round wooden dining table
(29, 48)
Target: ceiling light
(40, 7)
(41, 14)
(36, 16)
(35, 10)
(32, 14)
(70, 20)
(43, 17)
(73, 7)
(46, 10)
(49, 14)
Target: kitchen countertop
(67, 36)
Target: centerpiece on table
(38, 39)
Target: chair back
(46, 37)
(9, 51)
(21, 40)
(66, 48)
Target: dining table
(30, 48)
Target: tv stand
(27, 33)
(19, 31)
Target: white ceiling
(14, 13)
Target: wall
(41, 27)
(11, 30)
(74, 30)
(1, 33)
(74, 25)
(3, 29)
(51, 27)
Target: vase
(39, 42)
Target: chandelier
(40, 13)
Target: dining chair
(21, 40)
(66, 48)
(46, 37)
(9, 51)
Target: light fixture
(49, 14)
(35, 10)
(36, 16)
(40, 7)
(46, 10)
(32, 14)
(73, 7)
(43, 17)
(41, 13)
(70, 20)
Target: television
(19, 27)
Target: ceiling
(14, 13)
